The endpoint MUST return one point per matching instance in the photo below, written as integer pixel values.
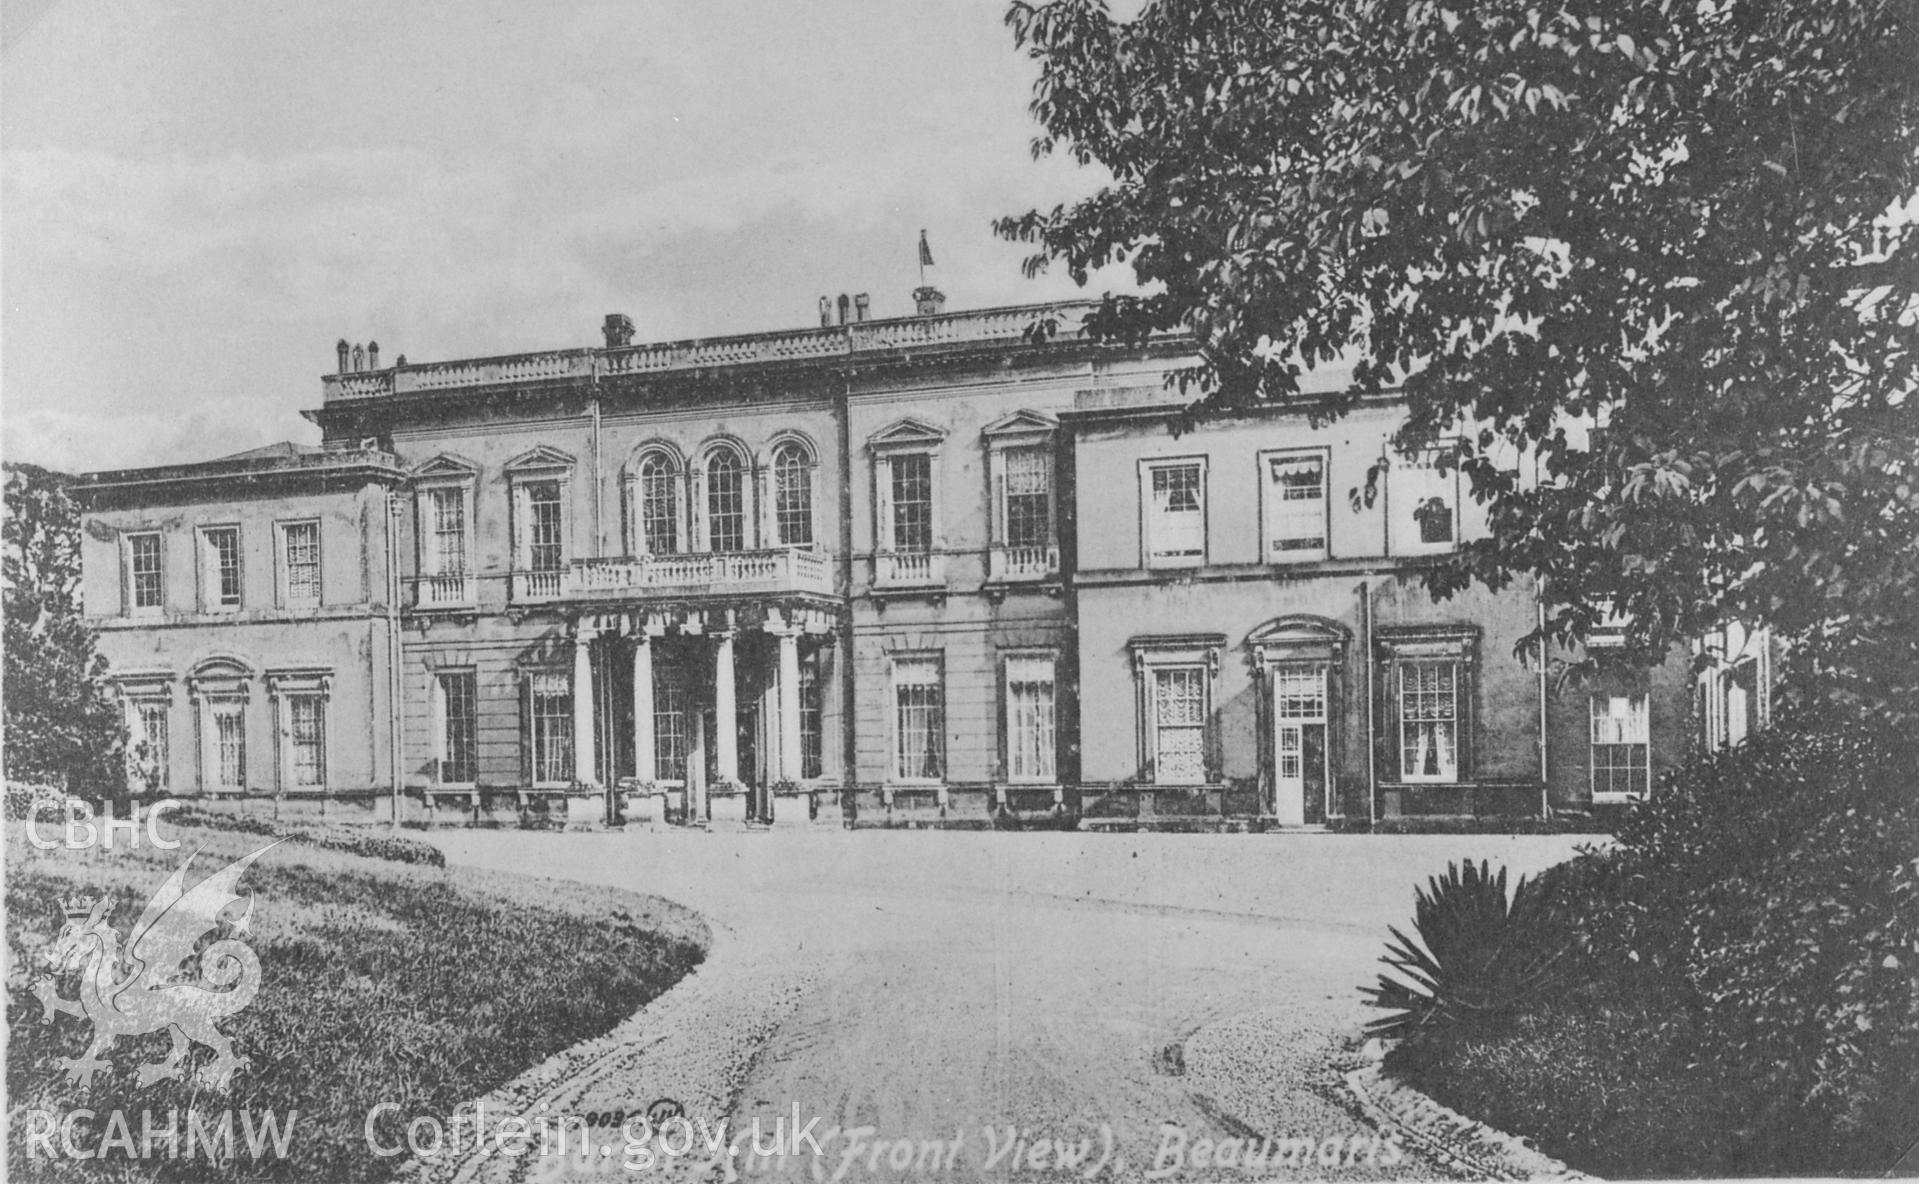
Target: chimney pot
(929, 301)
(862, 306)
(618, 328)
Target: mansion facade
(935, 568)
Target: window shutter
(1389, 719)
(999, 497)
(1464, 703)
(883, 473)
(437, 696)
(520, 508)
(526, 728)
(695, 518)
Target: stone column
(643, 708)
(585, 762)
(696, 767)
(726, 722)
(790, 760)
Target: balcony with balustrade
(1009, 326)
(1012, 565)
(444, 590)
(775, 571)
(909, 569)
(536, 587)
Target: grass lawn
(381, 982)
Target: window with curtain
(152, 718)
(1296, 507)
(812, 731)
(552, 728)
(1621, 746)
(1031, 746)
(659, 508)
(300, 558)
(911, 478)
(1029, 498)
(725, 502)
(793, 495)
(919, 730)
(1179, 724)
(307, 726)
(143, 562)
(670, 730)
(220, 566)
(1429, 721)
(448, 552)
(1426, 505)
(229, 744)
(459, 727)
(545, 550)
(1176, 514)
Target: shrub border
(1449, 1136)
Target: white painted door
(1291, 780)
(1299, 744)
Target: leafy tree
(61, 724)
(1675, 219)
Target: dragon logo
(146, 988)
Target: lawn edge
(1449, 1136)
(522, 1093)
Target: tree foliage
(1528, 218)
(61, 724)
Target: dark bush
(1747, 946)
(353, 841)
(1478, 954)
(1775, 883)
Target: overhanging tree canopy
(1532, 217)
(61, 724)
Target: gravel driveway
(1001, 1006)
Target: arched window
(659, 504)
(725, 502)
(793, 495)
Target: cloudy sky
(198, 199)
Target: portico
(708, 702)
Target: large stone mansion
(919, 569)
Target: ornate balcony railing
(770, 571)
(909, 569)
(538, 585)
(903, 333)
(1022, 563)
(450, 590)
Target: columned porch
(722, 710)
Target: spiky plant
(1478, 952)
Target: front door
(1299, 744)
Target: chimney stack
(359, 358)
(929, 301)
(846, 307)
(373, 355)
(826, 312)
(342, 350)
(862, 307)
(618, 329)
